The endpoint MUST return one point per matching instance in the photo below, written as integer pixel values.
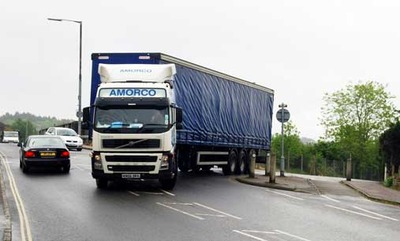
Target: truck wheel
(169, 184)
(183, 159)
(232, 163)
(101, 183)
(242, 163)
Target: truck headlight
(164, 162)
(96, 161)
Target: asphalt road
(206, 206)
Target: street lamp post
(79, 112)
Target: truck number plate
(130, 176)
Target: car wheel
(25, 168)
(79, 149)
(65, 169)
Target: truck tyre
(101, 183)
(183, 158)
(232, 163)
(169, 184)
(242, 162)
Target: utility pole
(79, 112)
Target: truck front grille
(131, 158)
(131, 168)
(131, 143)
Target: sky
(300, 49)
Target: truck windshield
(132, 120)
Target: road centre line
(329, 198)
(23, 218)
(376, 214)
(286, 195)
(291, 235)
(180, 211)
(217, 211)
(249, 235)
(353, 212)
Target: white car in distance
(71, 139)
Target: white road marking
(23, 218)
(329, 198)
(211, 215)
(291, 235)
(217, 211)
(353, 212)
(183, 204)
(249, 235)
(255, 231)
(286, 195)
(152, 193)
(78, 167)
(168, 193)
(376, 214)
(180, 211)
(134, 193)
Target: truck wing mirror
(86, 118)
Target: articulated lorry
(151, 113)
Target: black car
(44, 151)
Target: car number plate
(130, 176)
(47, 154)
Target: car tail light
(30, 154)
(65, 154)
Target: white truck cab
(134, 121)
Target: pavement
(372, 190)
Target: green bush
(388, 182)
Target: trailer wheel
(101, 183)
(232, 163)
(242, 163)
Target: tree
(389, 143)
(354, 117)
(25, 128)
(292, 143)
